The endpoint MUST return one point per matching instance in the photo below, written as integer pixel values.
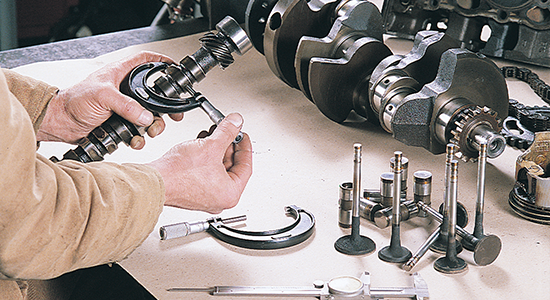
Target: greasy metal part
(411, 263)
(337, 96)
(516, 135)
(451, 263)
(345, 204)
(459, 98)
(103, 140)
(288, 21)
(440, 245)
(523, 121)
(216, 49)
(409, 209)
(461, 220)
(375, 195)
(368, 208)
(372, 202)
(355, 243)
(386, 189)
(405, 175)
(213, 113)
(398, 76)
(338, 288)
(357, 159)
(169, 93)
(355, 19)
(486, 249)
(471, 105)
(395, 252)
(530, 196)
(480, 200)
(183, 229)
(538, 86)
(423, 189)
(256, 15)
(383, 217)
(474, 124)
(518, 29)
(299, 231)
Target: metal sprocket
(465, 122)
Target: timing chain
(531, 119)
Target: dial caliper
(341, 287)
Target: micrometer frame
(300, 230)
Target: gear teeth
(462, 128)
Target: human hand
(76, 111)
(210, 173)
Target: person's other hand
(76, 111)
(209, 173)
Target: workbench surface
(300, 158)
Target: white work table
(300, 158)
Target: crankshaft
(333, 51)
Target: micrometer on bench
(300, 230)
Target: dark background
(54, 20)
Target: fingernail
(146, 118)
(154, 129)
(138, 144)
(235, 119)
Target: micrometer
(341, 287)
(300, 230)
(166, 88)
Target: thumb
(228, 129)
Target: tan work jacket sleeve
(58, 217)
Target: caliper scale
(341, 287)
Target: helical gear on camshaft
(465, 122)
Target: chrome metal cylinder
(356, 179)
(495, 142)
(445, 116)
(446, 195)
(386, 189)
(345, 204)
(383, 217)
(480, 201)
(182, 229)
(368, 209)
(405, 175)
(397, 173)
(453, 195)
(422, 250)
(388, 93)
(423, 189)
